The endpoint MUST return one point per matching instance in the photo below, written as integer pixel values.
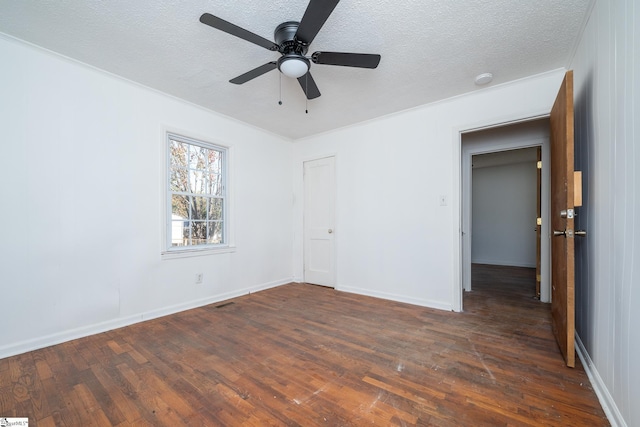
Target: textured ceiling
(430, 50)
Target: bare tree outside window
(197, 193)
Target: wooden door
(319, 218)
(562, 221)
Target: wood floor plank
(47, 422)
(60, 403)
(303, 355)
(122, 398)
(91, 412)
(153, 407)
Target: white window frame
(169, 251)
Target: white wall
(393, 238)
(82, 202)
(607, 119)
(504, 214)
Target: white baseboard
(606, 400)
(96, 328)
(393, 297)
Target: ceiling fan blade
(314, 18)
(234, 30)
(309, 86)
(256, 72)
(361, 60)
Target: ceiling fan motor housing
(284, 36)
(291, 49)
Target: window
(196, 194)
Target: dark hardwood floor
(312, 356)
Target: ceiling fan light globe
(293, 66)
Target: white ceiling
(430, 50)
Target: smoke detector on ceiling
(483, 79)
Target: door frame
(462, 176)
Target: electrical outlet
(199, 278)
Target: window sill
(188, 253)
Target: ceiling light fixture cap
(293, 65)
(483, 79)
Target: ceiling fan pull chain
(306, 89)
(280, 97)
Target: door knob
(330, 231)
(570, 233)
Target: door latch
(567, 213)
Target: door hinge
(538, 221)
(539, 164)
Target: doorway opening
(503, 195)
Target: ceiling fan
(292, 40)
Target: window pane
(178, 151)
(187, 232)
(178, 180)
(197, 157)
(215, 161)
(215, 209)
(197, 183)
(199, 208)
(214, 234)
(179, 206)
(198, 233)
(179, 233)
(215, 184)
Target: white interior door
(319, 221)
